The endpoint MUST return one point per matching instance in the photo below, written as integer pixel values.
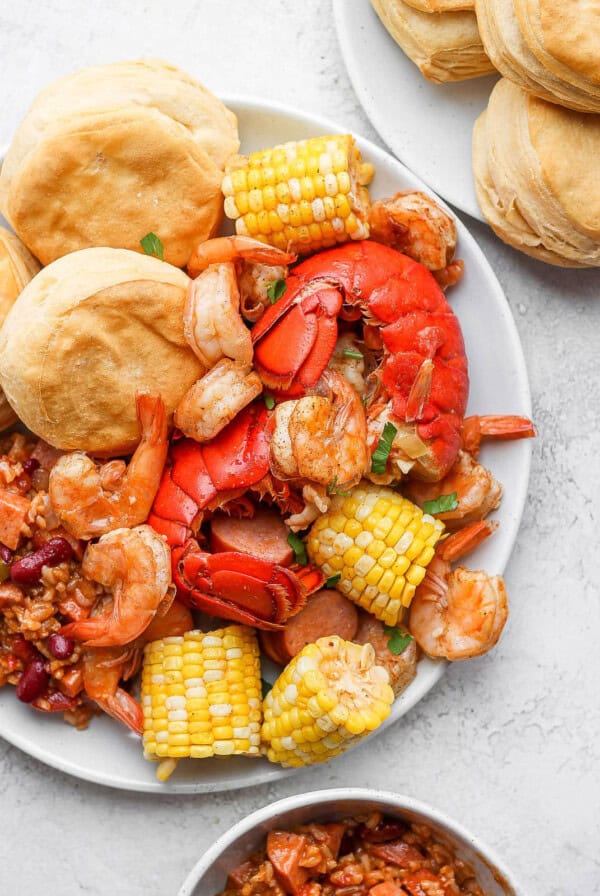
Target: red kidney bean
(24, 650)
(5, 554)
(30, 465)
(383, 832)
(60, 647)
(28, 570)
(33, 681)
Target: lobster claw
(237, 586)
(295, 337)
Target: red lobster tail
(237, 458)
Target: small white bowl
(208, 876)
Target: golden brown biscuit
(537, 175)
(111, 153)
(518, 56)
(108, 324)
(441, 5)
(17, 267)
(445, 46)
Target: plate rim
(377, 121)
(249, 103)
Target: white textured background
(510, 744)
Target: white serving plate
(208, 876)
(427, 125)
(106, 753)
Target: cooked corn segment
(380, 543)
(330, 696)
(201, 695)
(300, 196)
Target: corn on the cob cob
(380, 543)
(328, 697)
(201, 695)
(301, 196)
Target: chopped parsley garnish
(442, 504)
(298, 547)
(266, 687)
(384, 446)
(269, 401)
(153, 246)
(399, 640)
(333, 580)
(275, 290)
(352, 353)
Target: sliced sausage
(285, 851)
(401, 668)
(264, 535)
(326, 613)
(399, 853)
(329, 836)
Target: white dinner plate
(427, 125)
(106, 753)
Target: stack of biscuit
(104, 158)
(439, 36)
(536, 149)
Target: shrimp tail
(152, 417)
(465, 540)
(124, 708)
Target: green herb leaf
(333, 580)
(399, 639)
(352, 353)
(275, 290)
(4, 571)
(266, 687)
(441, 504)
(384, 446)
(298, 547)
(153, 246)
(269, 401)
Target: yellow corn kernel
(327, 170)
(353, 696)
(380, 542)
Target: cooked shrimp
(235, 248)
(212, 323)
(348, 360)
(254, 281)
(135, 564)
(321, 438)
(104, 667)
(413, 223)
(316, 502)
(477, 492)
(215, 399)
(458, 614)
(102, 672)
(499, 426)
(91, 500)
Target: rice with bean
(369, 855)
(41, 586)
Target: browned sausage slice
(326, 613)
(285, 851)
(402, 667)
(264, 535)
